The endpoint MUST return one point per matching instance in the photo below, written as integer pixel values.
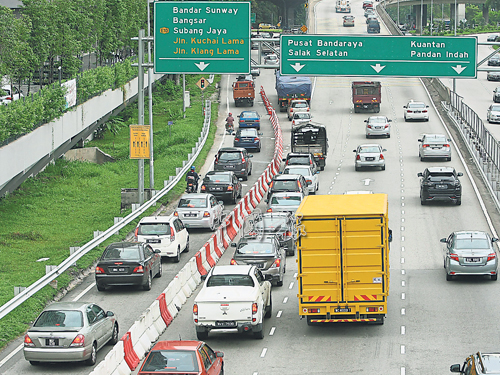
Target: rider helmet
(230, 114)
(193, 167)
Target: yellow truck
(343, 258)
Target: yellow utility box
(343, 258)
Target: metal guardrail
(68, 262)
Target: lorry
(290, 87)
(311, 138)
(244, 91)
(366, 96)
(233, 297)
(343, 258)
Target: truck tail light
(99, 270)
(314, 311)
(454, 257)
(172, 234)
(229, 188)
(233, 262)
(491, 256)
(28, 341)
(255, 308)
(195, 309)
(206, 214)
(138, 269)
(372, 309)
(79, 340)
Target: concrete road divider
(195, 274)
(169, 300)
(218, 245)
(130, 355)
(208, 254)
(165, 315)
(136, 332)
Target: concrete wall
(24, 152)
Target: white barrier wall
(21, 154)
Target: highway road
(431, 323)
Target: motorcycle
(191, 186)
(229, 128)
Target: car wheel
(426, 119)
(160, 270)
(114, 336)
(383, 168)
(423, 202)
(388, 136)
(147, 286)
(279, 282)
(356, 110)
(34, 363)
(258, 150)
(177, 258)
(202, 335)
(93, 356)
(269, 308)
(494, 277)
(356, 169)
(100, 288)
(367, 136)
(459, 202)
(449, 277)
(233, 199)
(422, 158)
(406, 120)
(448, 159)
(249, 172)
(245, 178)
(186, 249)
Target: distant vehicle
(290, 88)
(378, 126)
(482, 363)
(494, 60)
(369, 155)
(249, 119)
(492, 38)
(493, 113)
(183, 356)
(440, 184)
(367, 4)
(223, 185)
(271, 59)
(166, 233)
(297, 158)
(248, 138)
(470, 253)
(70, 332)
(254, 71)
(10, 94)
(371, 17)
(366, 96)
(263, 25)
(434, 146)
(348, 21)
(493, 76)
(496, 95)
(301, 118)
(200, 210)
(369, 12)
(312, 178)
(343, 6)
(416, 111)
(297, 105)
(310, 139)
(373, 26)
(282, 224)
(234, 159)
(244, 91)
(287, 183)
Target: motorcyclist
(230, 122)
(192, 173)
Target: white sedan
(200, 211)
(301, 118)
(312, 178)
(416, 111)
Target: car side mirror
(443, 240)
(317, 172)
(250, 156)
(353, 150)
(260, 133)
(455, 368)
(220, 203)
(390, 120)
(219, 354)
(234, 244)
(266, 200)
(157, 251)
(459, 174)
(366, 120)
(494, 239)
(110, 313)
(284, 159)
(203, 277)
(419, 174)
(404, 106)
(420, 140)
(384, 150)
(390, 235)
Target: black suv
(223, 185)
(440, 184)
(297, 158)
(234, 159)
(479, 364)
(288, 182)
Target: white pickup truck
(233, 297)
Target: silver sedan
(312, 178)
(284, 202)
(434, 146)
(493, 114)
(70, 332)
(200, 211)
(470, 253)
(378, 125)
(369, 155)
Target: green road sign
(201, 37)
(252, 17)
(398, 56)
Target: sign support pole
(150, 106)
(140, 102)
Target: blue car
(249, 119)
(247, 138)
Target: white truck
(235, 297)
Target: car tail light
(272, 182)
(79, 340)
(381, 157)
(176, 213)
(424, 146)
(454, 257)
(229, 188)
(138, 269)
(446, 145)
(233, 262)
(236, 139)
(309, 181)
(257, 139)
(276, 263)
(369, 126)
(203, 188)
(28, 341)
(314, 311)
(310, 162)
(242, 160)
(409, 111)
(300, 186)
(491, 256)
(172, 234)
(195, 309)
(206, 214)
(358, 157)
(136, 233)
(255, 308)
(288, 233)
(99, 270)
(257, 120)
(386, 126)
(372, 309)
(252, 233)
(269, 210)
(424, 111)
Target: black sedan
(223, 185)
(494, 60)
(128, 263)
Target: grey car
(434, 146)
(493, 76)
(265, 252)
(285, 202)
(70, 332)
(378, 126)
(369, 155)
(200, 211)
(493, 114)
(281, 224)
(496, 95)
(470, 253)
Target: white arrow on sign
(211, 78)
(367, 181)
(202, 65)
(297, 66)
(377, 67)
(459, 68)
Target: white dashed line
(263, 354)
(285, 300)
(402, 229)
(271, 332)
(402, 248)
(403, 272)
(278, 315)
(403, 330)
(403, 295)
(403, 311)
(295, 274)
(402, 212)
(403, 349)
(291, 285)
(403, 283)
(402, 239)
(84, 292)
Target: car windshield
(124, 253)
(217, 178)
(471, 243)
(495, 108)
(153, 228)
(286, 200)
(297, 170)
(287, 185)
(171, 361)
(230, 280)
(230, 156)
(369, 149)
(261, 248)
(377, 120)
(192, 203)
(301, 115)
(60, 318)
(416, 105)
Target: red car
(174, 357)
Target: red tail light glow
(446, 145)
(195, 309)
(288, 233)
(358, 157)
(136, 233)
(454, 257)
(176, 213)
(381, 157)
(229, 188)
(369, 126)
(372, 309)
(424, 146)
(277, 263)
(313, 311)
(172, 234)
(139, 269)
(255, 308)
(233, 262)
(99, 270)
(79, 340)
(272, 182)
(203, 188)
(206, 214)
(269, 210)
(28, 341)
(491, 256)
(236, 139)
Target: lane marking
(403, 283)
(403, 295)
(403, 371)
(11, 354)
(285, 300)
(402, 248)
(403, 311)
(263, 354)
(403, 330)
(278, 315)
(403, 349)
(402, 260)
(291, 285)
(84, 292)
(271, 332)
(403, 272)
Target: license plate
(378, 127)
(472, 260)
(228, 324)
(118, 270)
(229, 166)
(153, 241)
(216, 189)
(417, 111)
(436, 148)
(343, 309)
(441, 186)
(369, 159)
(52, 342)
(189, 215)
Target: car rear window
(153, 228)
(495, 108)
(230, 156)
(171, 361)
(271, 224)
(301, 115)
(286, 185)
(295, 170)
(124, 253)
(230, 280)
(250, 248)
(366, 150)
(217, 178)
(248, 115)
(435, 139)
(378, 120)
(286, 200)
(248, 133)
(472, 243)
(416, 105)
(300, 105)
(441, 178)
(60, 318)
(192, 203)
(299, 160)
